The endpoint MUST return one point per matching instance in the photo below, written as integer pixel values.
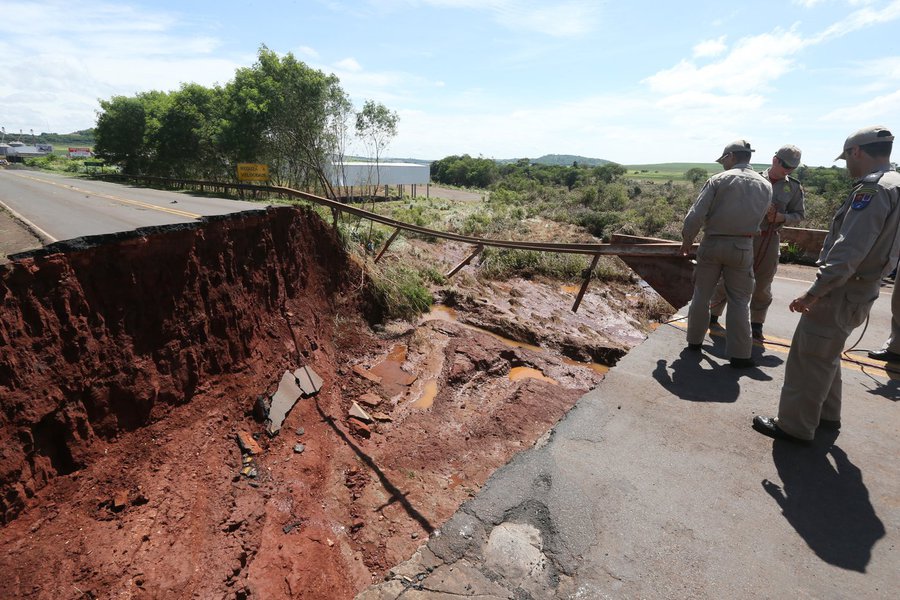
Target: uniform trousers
(729, 258)
(893, 342)
(765, 264)
(812, 376)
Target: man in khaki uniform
(728, 209)
(891, 349)
(862, 245)
(786, 209)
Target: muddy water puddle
(394, 379)
(426, 398)
(518, 373)
(445, 313)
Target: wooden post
(456, 269)
(386, 244)
(587, 280)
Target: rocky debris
(283, 401)
(299, 448)
(359, 428)
(357, 412)
(247, 444)
(365, 374)
(308, 381)
(248, 466)
(119, 501)
(370, 399)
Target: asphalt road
(59, 207)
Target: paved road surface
(655, 486)
(59, 207)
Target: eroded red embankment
(109, 333)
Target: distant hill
(84, 137)
(565, 160)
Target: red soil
(130, 363)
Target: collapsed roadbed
(133, 463)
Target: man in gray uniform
(891, 349)
(862, 245)
(729, 209)
(786, 209)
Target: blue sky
(634, 82)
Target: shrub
(399, 292)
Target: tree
(376, 126)
(185, 139)
(609, 172)
(282, 112)
(695, 175)
(120, 133)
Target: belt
(737, 235)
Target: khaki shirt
(787, 196)
(732, 202)
(863, 242)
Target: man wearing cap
(729, 209)
(862, 245)
(786, 209)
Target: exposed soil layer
(131, 363)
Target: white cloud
(306, 51)
(860, 19)
(557, 19)
(349, 65)
(880, 108)
(710, 48)
(750, 67)
(62, 57)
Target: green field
(672, 171)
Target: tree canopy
(279, 112)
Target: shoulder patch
(862, 197)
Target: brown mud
(130, 364)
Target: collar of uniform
(875, 174)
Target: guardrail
(642, 254)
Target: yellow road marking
(783, 346)
(173, 211)
(881, 292)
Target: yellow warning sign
(252, 172)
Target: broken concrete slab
(359, 413)
(283, 401)
(308, 380)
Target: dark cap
(789, 155)
(866, 135)
(735, 146)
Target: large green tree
(282, 112)
(121, 125)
